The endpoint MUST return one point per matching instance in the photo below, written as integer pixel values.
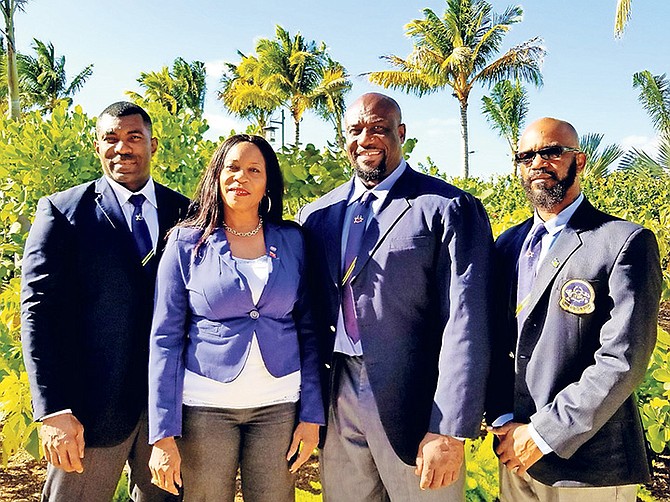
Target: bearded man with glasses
(578, 293)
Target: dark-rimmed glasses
(547, 153)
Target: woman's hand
(165, 465)
(308, 435)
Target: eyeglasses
(547, 153)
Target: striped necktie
(140, 230)
(528, 260)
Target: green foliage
(309, 173)
(481, 482)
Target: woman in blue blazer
(233, 355)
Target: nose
(240, 176)
(365, 137)
(122, 147)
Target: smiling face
(552, 184)
(374, 136)
(125, 148)
(243, 178)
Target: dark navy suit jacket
(420, 293)
(579, 358)
(86, 306)
(205, 318)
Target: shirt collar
(557, 224)
(381, 190)
(123, 194)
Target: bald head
(559, 132)
(374, 134)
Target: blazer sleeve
(463, 272)
(627, 340)
(47, 296)
(311, 400)
(167, 341)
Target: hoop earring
(267, 197)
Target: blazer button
(254, 314)
(332, 328)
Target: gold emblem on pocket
(578, 297)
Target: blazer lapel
(108, 205)
(332, 231)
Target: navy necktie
(361, 214)
(140, 230)
(528, 259)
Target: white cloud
(644, 143)
(221, 125)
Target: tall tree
(285, 71)
(43, 79)
(9, 8)
(621, 16)
(654, 94)
(330, 103)
(505, 111)
(247, 94)
(180, 88)
(459, 50)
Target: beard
(370, 174)
(545, 197)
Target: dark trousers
(216, 441)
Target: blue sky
(587, 73)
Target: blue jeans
(216, 441)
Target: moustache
(533, 174)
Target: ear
(580, 157)
(401, 133)
(97, 146)
(154, 145)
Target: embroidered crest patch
(577, 297)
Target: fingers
(303, 457)
(63, 442)
(165, 465)
(295, 444)
(439, 461)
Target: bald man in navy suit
(579, 291)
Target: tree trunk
(12, 71)
(297, 132)
(464, 137)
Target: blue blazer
(86, 306)
(575, 365)
(204, 320)
(421, 298)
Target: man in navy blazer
(86, 306)
(409, 361)
(571, 352)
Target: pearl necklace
(250, 233)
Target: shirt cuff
(55, 414)
(541, 443)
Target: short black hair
(125, 108)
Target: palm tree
(43, 77)
(182, 88)
(285, 71)
(246, 93)
(505, 111)
(458, 51)
(329, 103)
(655, 98)
(621, 16)
(598, 162)
(9, 8)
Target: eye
(354, 131)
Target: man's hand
(439, 460)
(63, 442)
(307, 434)
(517, 449)
(165, 465)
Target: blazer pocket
(204, 328)
(409, 242)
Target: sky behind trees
(587, 73)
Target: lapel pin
(555, 263)
(273, 252)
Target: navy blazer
(205, 318)
(422, 303)
(579, 358)
(86, 306)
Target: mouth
(542, 176)
(369, 155)
(240, 192)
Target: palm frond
(655, 98)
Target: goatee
(545, 197)
(375, 174)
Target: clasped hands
(517, 449)
(165, 461)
